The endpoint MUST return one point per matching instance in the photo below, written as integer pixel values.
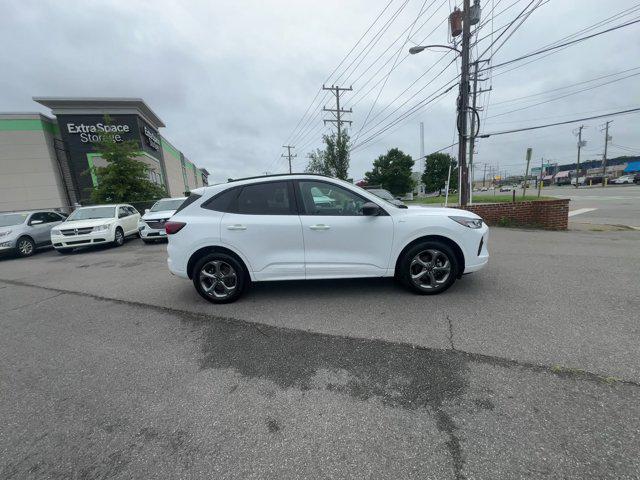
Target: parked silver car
(22, 232)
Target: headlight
(468, 222)
(101, 228)
(5, 233)
(55, 231)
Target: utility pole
(526, 173)
(337, 112)
(474, 127)
(463, 105)
(484, 174)
(580, 145)
(540, 181)
(604, 156)
(288, 155)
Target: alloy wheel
(218, 279)
(25, 247)
(430, 269)
(119, 237)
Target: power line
(621, 112)
(581, 39)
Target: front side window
(38, 217)
(123, 212)
(53, 217)
(320, 198)
(90, 213)
(272, 198)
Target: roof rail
(277, 175)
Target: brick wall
(546, 214)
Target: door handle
(236, 227)
(320, 227)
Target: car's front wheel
(25, 247)
(428, 268)
(219, 278)
(118, 237)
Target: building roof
(101, 105)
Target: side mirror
(36, 222)
(370, 209)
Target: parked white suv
(151, 225)
(282, 228)
(100, 224)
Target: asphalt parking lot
(112, 368)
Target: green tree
(392, 172)
(124, 178)
(334, 159)
(436, 171)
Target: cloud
(232, 79)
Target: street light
(420, 48)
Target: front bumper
(147, 232)
(72, 241)
(7, 244)
(476, 251)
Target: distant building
(46, 161)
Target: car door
(39, 228)
(133, 218)
(52, 219)
(339, 241)
(262, 224)
(123, 215)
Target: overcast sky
(232, 79)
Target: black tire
(214, 285)
(436, 264)
(64, 251)
(25, 247)
(118, 240)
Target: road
(612, 205)
(111, 368)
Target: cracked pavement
(115, 370)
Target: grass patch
(484, 198)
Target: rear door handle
(236, 227)
(320, 227)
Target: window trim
(303, 211)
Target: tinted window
(224, 201)
(122, 212)
(271, 198)
(39, 216)
(132, 211)
(190, 199)
(320, 198)
(53, 217)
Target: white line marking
(580, 211)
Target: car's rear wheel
(219, 278)
(118, 238)
(25, 247)
(428, 268)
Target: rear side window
(190, 199)
(272, 198)
(224, 201)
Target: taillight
(173, 227)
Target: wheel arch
(198, 254)
(440, 238)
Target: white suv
(151, 225)
(101, 224)
(294, 227)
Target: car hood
(422, 211)
(13, 228)
(85, 223)
(158, 215)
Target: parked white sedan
(274, 228)
(101, 224)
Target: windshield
(373, 193)
(10, 219)
(168, 204)
(88, 213)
